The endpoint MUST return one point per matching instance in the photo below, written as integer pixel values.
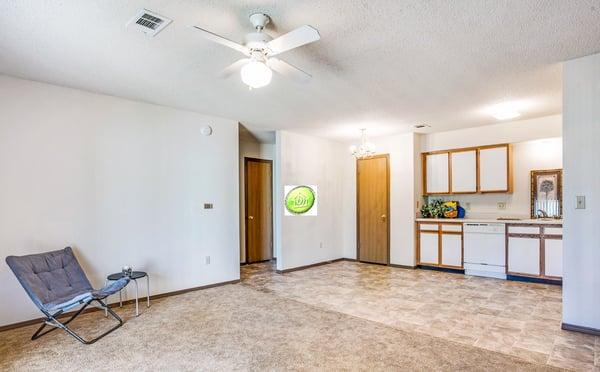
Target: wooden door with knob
(258, 179)
(373, 209)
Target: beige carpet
(235, 327)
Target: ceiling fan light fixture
(256, 74)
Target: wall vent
(149, 22)
(421, 126)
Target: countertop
(491, 220)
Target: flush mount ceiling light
(365, 149)
(506, 110)
(260, 50)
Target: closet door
(464, 171)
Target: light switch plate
(580, 202)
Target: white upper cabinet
(494, 172)
(464, 171)
(436, 174)
(469, 170)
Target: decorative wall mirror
(546, 193)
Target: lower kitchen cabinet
(534, 251)
(553, 257)
(429, 248)
(451, 250)
(440, 245)
(524, 256)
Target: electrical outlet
(321, 245)
(208, 206)
(580, 202)
(501, 205)
(207, 260)
(468, 206)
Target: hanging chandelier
(365, 149)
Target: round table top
(134, 275)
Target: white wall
(122, 182)
(581, 255)
(537, 144)
(250, 149)
(404, 193)
(304, 240)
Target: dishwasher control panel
(484, 228)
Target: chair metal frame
(52, 321)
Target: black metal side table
(135, 275)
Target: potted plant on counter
(433, 209)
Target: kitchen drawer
(428, 226)
(457, 227)
(523, 229)
(553, 230)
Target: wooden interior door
(258, 205)
(373, 207)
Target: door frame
(257, 160)
(387, 161)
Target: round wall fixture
(206, 131)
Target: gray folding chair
(56, 283)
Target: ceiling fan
(260, 50)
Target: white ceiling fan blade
(288, 70)
(233, 68)
(293, 39)
(223, 41)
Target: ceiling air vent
(149, 22)
(421, 126)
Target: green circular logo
(300, 199)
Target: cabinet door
(553, 257)
(493, 169)
(464, 171)
(452, 250)
(524, 256)
(436, 176)
(428, 248)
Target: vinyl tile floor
(514, 318)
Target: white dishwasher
(485, 251)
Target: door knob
(383, 217)
(250, 217)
